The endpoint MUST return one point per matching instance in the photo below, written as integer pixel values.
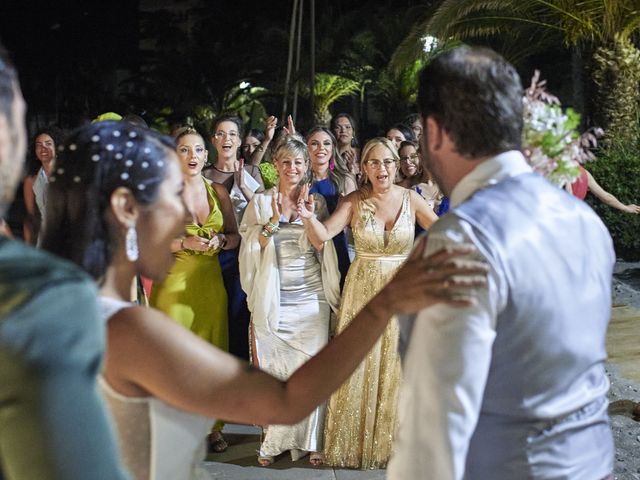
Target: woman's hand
(349, 157)
(442, 277)
(306, 205)
(239, 173)
(270, 128)
(196, 243)
(290, 129)
(217, 241)
(275, 206)
(632, 208)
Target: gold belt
(382, 258)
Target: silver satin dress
(303, 330)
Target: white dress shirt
(450, 350)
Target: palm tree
(601, 29)
(327, 89)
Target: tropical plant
(604, 27)
(327, 89)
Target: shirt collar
(489, 172)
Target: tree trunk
(617, 76)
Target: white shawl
(259, 274)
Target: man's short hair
(476, 95)
(8, 83)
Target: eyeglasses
(409, 158)
(377, 164)
(220, 135)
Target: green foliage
(242, 99)
(269, 174)
(617, 170)
(526, 26)
(327, 89)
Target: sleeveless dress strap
(108, 307)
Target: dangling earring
(131, 244)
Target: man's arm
(53, 424)
(444, 375)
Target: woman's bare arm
(320, 232)
(425, 216)
(150, 353)
(608, 198)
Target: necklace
(223, 171)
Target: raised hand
(269, 130)
(276, 197)
(349, 157)
(238, 173)
(305, 205)
(290, 129)
(442, 277)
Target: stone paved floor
(239, 462)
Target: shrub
(617, 170)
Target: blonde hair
(294, 144)
(365, 188)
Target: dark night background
(79, 59)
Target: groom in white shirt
(514, 387)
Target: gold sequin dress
(361, 415)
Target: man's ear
(124, 207)
(435, 134)
(5, 139)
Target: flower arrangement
(550, 139)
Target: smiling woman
(35, 186)
(241, 181)
(332, 180)
(116, 209)
(361, 415)
(301, 287)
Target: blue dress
(329, 191)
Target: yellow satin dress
(361, 415)
(193, 292)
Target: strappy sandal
(265, 460)
(217, 443)
(316, 458)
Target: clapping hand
(306, 206)
(349, 157)
(275, 206)
(238, 173)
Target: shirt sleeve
(445, 371)
(53, 423)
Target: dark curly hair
(94, 161)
